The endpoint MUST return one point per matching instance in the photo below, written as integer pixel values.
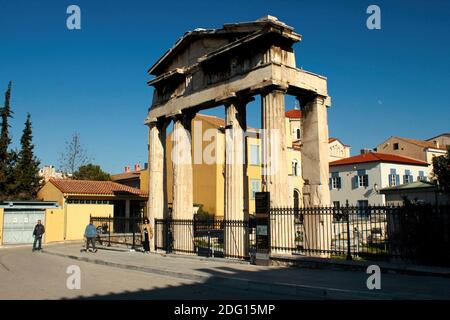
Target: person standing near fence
(38, 232)
(90, 233)
(146, 234)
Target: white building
(48, 172)
(338, 150)
(359, 179)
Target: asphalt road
(27, 275)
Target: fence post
(133, 220)
(155, 236)
(347, 211)
(109, 231)
(210, 250)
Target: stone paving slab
(328, 284)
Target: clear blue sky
(392, 81)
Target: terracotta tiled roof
(420, 143)
(94, 187)
(125, 175)
(294, 114)
(377, 157)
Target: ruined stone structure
(227, 66)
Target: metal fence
(413, 233)
(205, 237)
(118, 230)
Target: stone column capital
(281, 88)
(238, 99)
(184, 116)
(312, 98)
(161, 122)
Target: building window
(393, 178)
(408, 178)
(361, 179)
(255, 187)
(335, 182)
(297, 133)
(422, 176)
(254, 155)
(295, 168)
(336, 204)
(395, 146)
(363, 208)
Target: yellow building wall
(143, 180)
(1, 226)
(204, 174)
(209, 179)
(253, 172)
(50, 193)
(78, 217)
(54, 225)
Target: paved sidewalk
(318, 284)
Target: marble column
(275, 169)
(235, 174)
(182, 208)
(157, 198)
(315, 171)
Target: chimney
(365, 151)
(146, 165)
(137, 167)
(436, 143)
(127, 169)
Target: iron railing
(205, 237)
(410, 233)
(118, 230)
(413, 233)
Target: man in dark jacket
(38, 232)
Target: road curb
(320, 263)
(290, 290)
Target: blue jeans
(37, 239)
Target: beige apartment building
(422, 150)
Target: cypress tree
(6, 158)
(27, 168)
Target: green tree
(27, 168)
(6, 157)
(441, 171)
(91, 172)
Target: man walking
(90, 233)
(38, 232)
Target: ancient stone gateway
(227, 66)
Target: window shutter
(355, 182)
(339, 182)
(411, 178)
(397, 179)
(390, 180)
(366, 184)
(330, 185)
